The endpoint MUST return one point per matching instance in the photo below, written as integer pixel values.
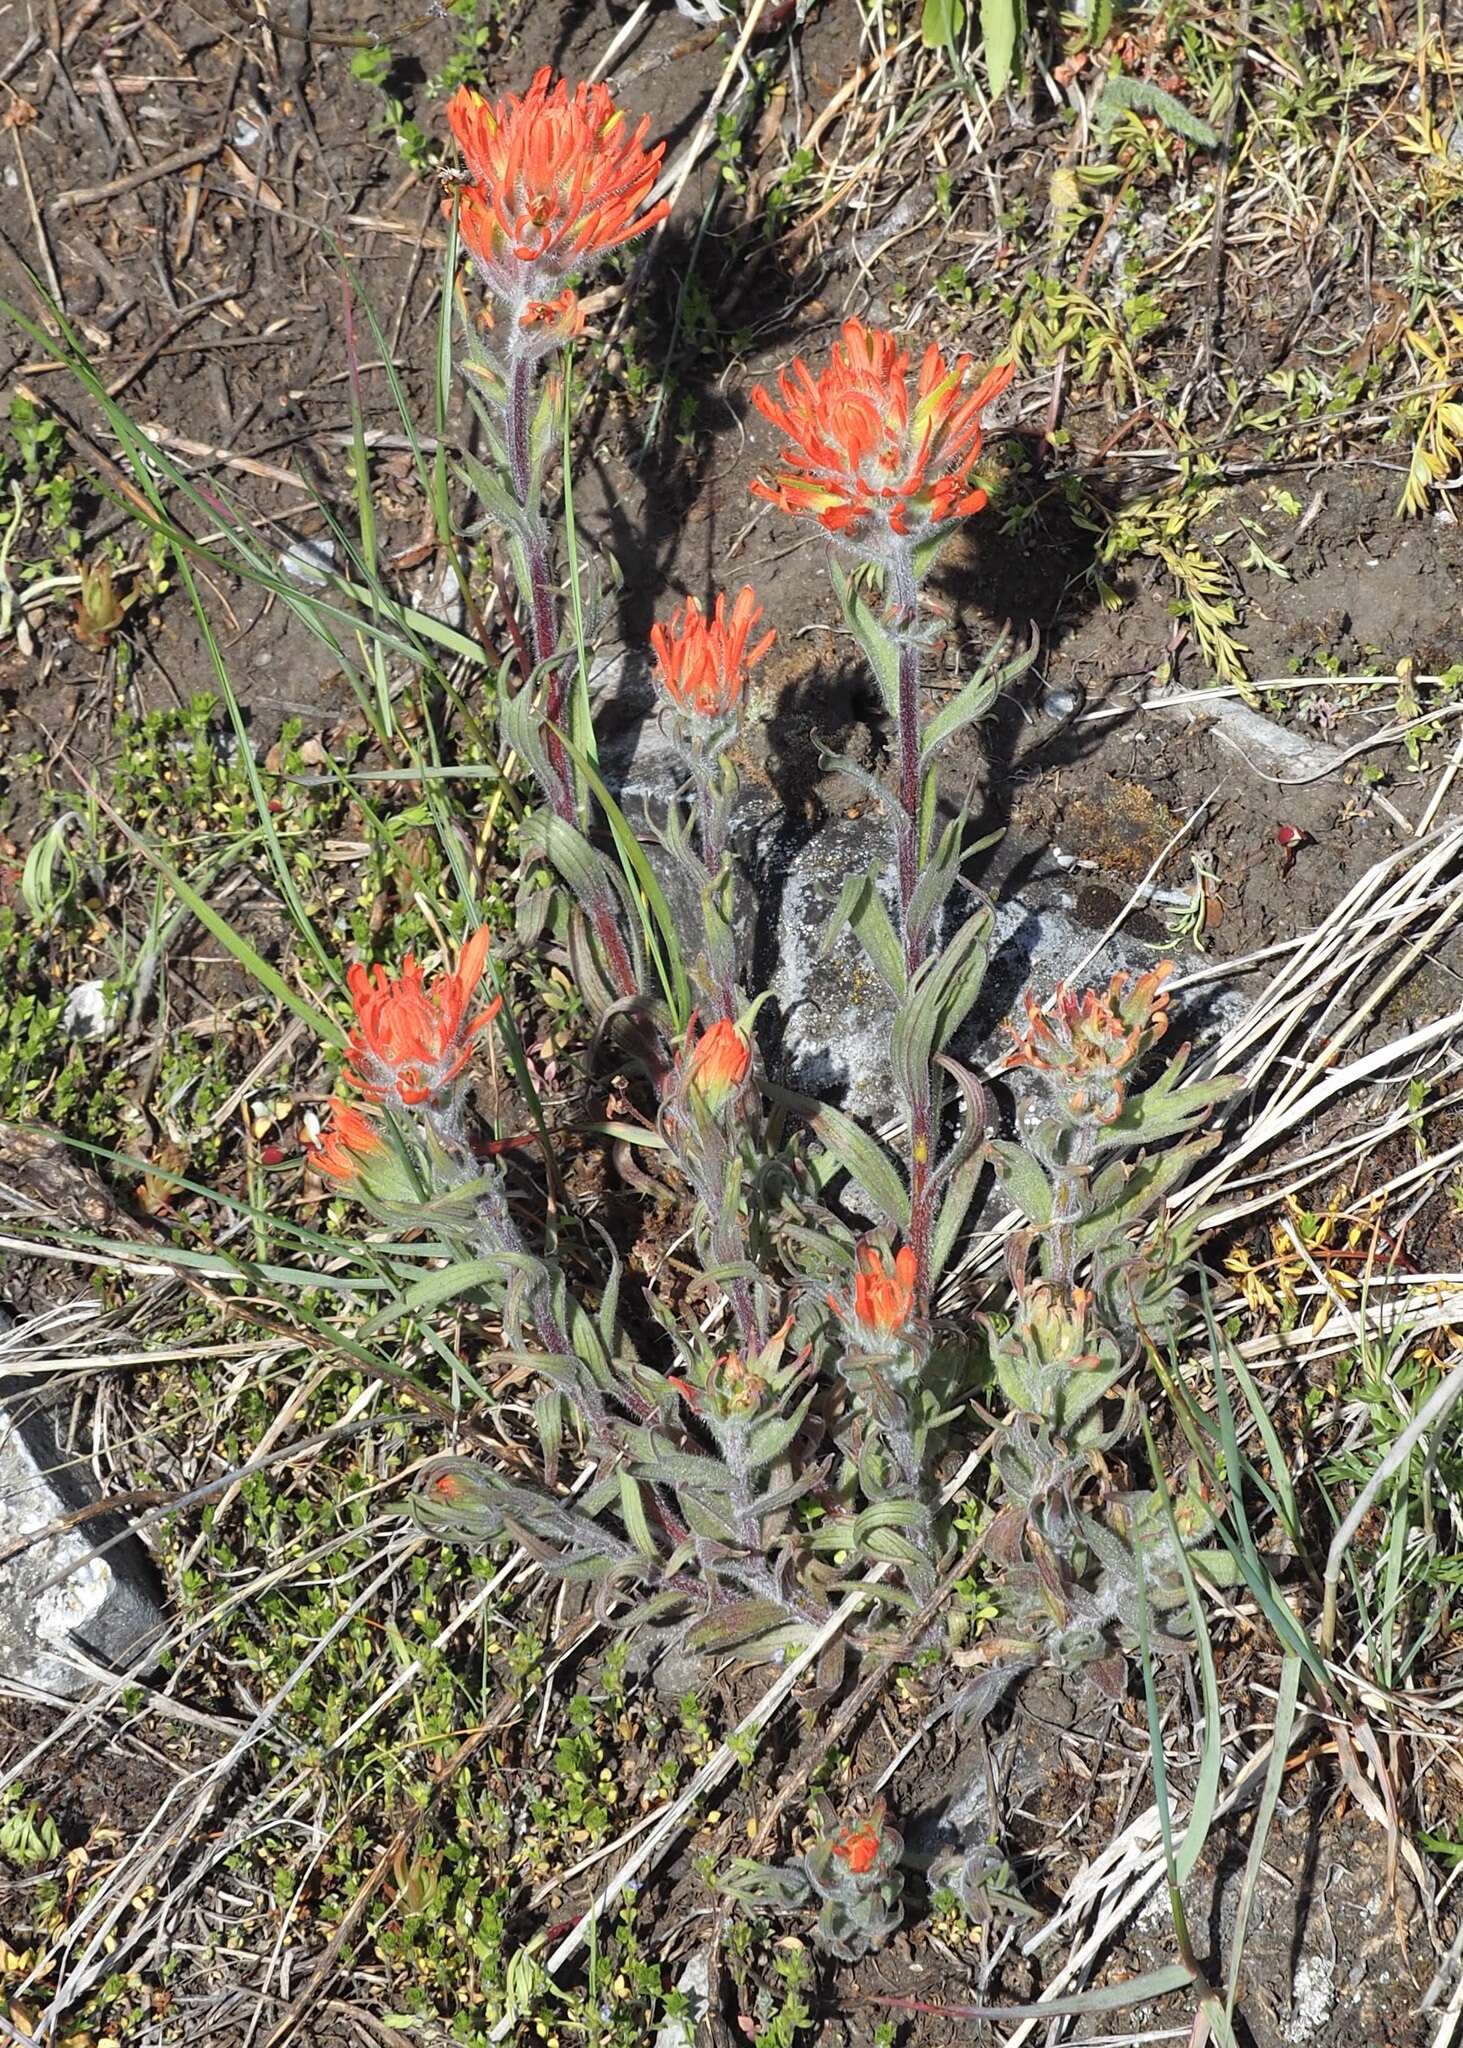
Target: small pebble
(87, 1013)
(1061, 703)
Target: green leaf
(1165, 1109)
(656, 922)
(1120, 1997)
(881, 651)
(861, 907)
(841, 764)
(940, 23)
(859, 1155)
(1000, 24)
(1206, 1788)
(768, 1439)
(1137, 96)
(971, 701)
(632, 1513)
(1022, 1180)
(447, 1284)
(269, 978)
(937, 876)
(953, 1210)
(520, 727)
(497, 500)
(935, 1007)
(1286, 1698)
(1122, 1193)
(975, 697)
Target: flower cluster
(702, 664)
(554, 180)
(882, 1305)
(1091, 1041)
(859, 1847)
(713, 1067)
(871, 461)
(730, 1388)
(855, 1871)
(1056, 1359)
(347, 1145)
(412, 1040)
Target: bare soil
(211, 297)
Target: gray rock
(694, 1985)
(86, 1596)
(827, 1031)
(309, 561)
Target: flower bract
(875, 458)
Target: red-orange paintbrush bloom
(859, 1847)
(882, 1299)
(870, 459)
(1091, 1040)
(702, 663)
(559, 319)
(347, 1143)
(555, 179)
(716, 1065)
(411, 1041)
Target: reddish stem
(907, 740)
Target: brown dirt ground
(260, 376)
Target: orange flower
(562, 318)
(346, 1144)
(1090, 1040)
(410, 1040)
(716, 1066)
(867, 459)
(883, 1299)
(859, 1847)
(702, 663)
(555, 179)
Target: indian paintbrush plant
(852, 1867)
(775, 1438)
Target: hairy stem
(906, 609)
(500, 1234)
(543, 618)
(900, 1439)
(919, 1108)
(712, 820)
(1070, 1176)
(518, 430)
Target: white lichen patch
(1312, 1999)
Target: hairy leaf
(1137, 96)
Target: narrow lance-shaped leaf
(852, 1149)
(1000, 24)
(861, 907)
(1022, 1180)
(1138, 96)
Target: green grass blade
(1285, 1706)
(1206, 1789)
(325, 1027)
(656, 922)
